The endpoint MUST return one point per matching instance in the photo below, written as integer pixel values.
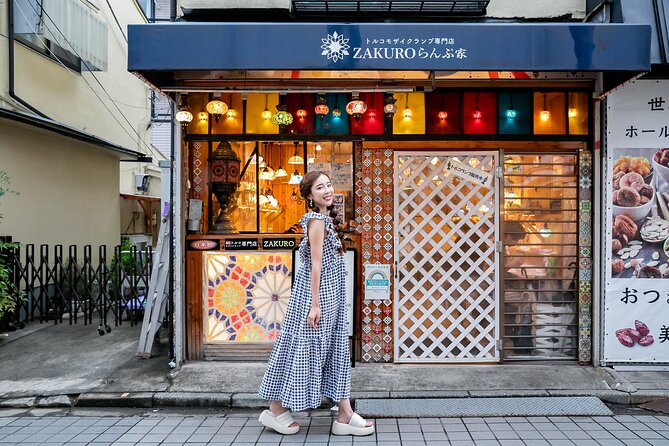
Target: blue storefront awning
(388, 46)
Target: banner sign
(388, 46)
(636, 300)
(467, 172)
(377, 281)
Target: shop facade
(463, 172)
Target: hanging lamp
(280, 172)
(545, 115)
(266, 114)
(296, 159)
(216, 107)
(356, 107)
(266, 173)
(282, 117)
(184, 116)
(390, 108)
(321, 109)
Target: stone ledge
(139, 399)
(192, 399)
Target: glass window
(540, 264)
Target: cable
(116, 20)
(139, 137)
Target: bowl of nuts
(632, 196)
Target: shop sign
(278, 243)
(468, 172)
(377, 281)
(204, 245)
(243, 244)
(636, 326)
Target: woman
(310, 358)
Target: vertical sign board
(636, 299)
(349, 267)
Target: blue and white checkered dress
(307, 364)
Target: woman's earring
(311, 202)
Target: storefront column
(374, 218)
(585, 257)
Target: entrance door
(445, 271)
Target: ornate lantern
(282, 117)
(356, 108)
(390, 108)
(224, 176)
(321, 108)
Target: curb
(253, 401)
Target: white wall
(68, 189)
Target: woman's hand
(314, 317)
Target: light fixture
(296, 159)
(282, 117)
(321, 109)
(319, 147)
(356, 107)
(443, 115)
(266, 172)
(511, 112)
(477, 113)
(336, 112)
(184, 116)
(295, 177)
(390, 108)
(202, 116)
(301, 113)
(280, 172)
(216, 107)
(231, 113)
(406, 113)
(545, 231)
(266, 114)
(572, 113)
(545, 114)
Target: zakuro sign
(636, 301)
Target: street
(179, 426)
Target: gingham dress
(307, 364)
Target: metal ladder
(156, 295)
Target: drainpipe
(10, 41)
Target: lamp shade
(282, 117)
(184, 116)
(296, 159)
(217, 108)
(356, 108)
(321, 109)
(295, 178)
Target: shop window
(259, 110)
(514, 112)
(410, 115)
(336, 121)
(336, 159)
(444, 113)
(540, 263)
(301, 106)
(549, 114)
(480, 113)
(371, 122)
(577, 113)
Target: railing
(58, 285)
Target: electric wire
(139, 138)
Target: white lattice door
(445, 272)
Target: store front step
(482, 407)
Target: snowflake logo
(335, 47)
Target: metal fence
(76, 286)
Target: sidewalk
(61, 365)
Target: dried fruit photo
(640, 334)
(639, 191)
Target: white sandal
(356, 426)
(280, 423)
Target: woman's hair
(514, 231)
(305, 190)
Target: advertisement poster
(636, 301)
(377, 281)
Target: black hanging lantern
(224, 176)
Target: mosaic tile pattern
(374, 215)
(585, 258)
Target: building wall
(536, 9)
(68, 189)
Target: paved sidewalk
(61, 365)
(240, 429)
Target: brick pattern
(374, 218)
(585, 257)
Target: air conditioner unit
(142, 182)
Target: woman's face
(322, 192)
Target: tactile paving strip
(482, 407)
